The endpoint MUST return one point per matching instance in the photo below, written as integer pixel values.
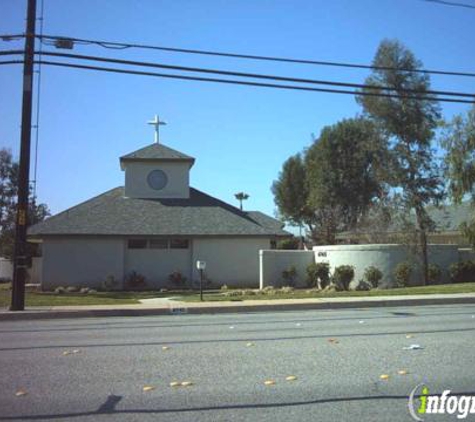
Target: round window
(157, 179)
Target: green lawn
(74, 299)
(124, 298)
(302, 294)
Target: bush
(318, 274)
(110, 283)
(177, 278)
(434, 274)
(289, 244)
(402, 274)
(373, 276)
(59, 290)
(268, 290)
(287, 289)
(462, 272)
(248, 292)
(135, 281)
(343, 276)
(233, 293)
(289, 275)
(363, 285)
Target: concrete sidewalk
(161, 306)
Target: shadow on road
(109, 407)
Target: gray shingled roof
(200, 215)
(156, 151)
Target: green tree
(409, 121)
(291, 194)
(8, 202)
(241, 196)
(459, 142)
(343, 173)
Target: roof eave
(125, 160)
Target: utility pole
(19, 257)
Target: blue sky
(240, 136)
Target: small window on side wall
(179, 244)
(137, 243)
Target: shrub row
(318, 275)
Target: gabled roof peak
(155, 152)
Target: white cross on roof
(156, 122)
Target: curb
(196, 310)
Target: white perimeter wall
(234, 262)
(274, 262)
(81, 262)
(385, 258)
(35, 272)
(6, 268)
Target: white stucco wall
(34, 273)
(274, 262)
(136, 185)
(6, 268)
(82, 261)
(230, 261)
(157, 264)
(36, 270)
(384, 257)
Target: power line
(249, 83)
(254, 75)
(378, 94)
(50, 40)
(11, 52)
(11, 62)
(120, 45)
(38, 102)
(452, 3)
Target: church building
(156, 226)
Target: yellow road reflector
(269, 382)
(402, 372)
(175, 384)
(186, 384)
(75, 351)
(20, 393)
(250, 344)
(384, 377)
(148, 388)
(165, 347)
(291, 378)
(66, 352)
(409, 336)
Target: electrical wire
(121, 45)
(248, 83)
(11, 62)
(255, 75)
(38, 102)
(451, 3)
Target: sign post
(201, 266)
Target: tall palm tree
(241, 196)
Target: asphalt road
(96, 369)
